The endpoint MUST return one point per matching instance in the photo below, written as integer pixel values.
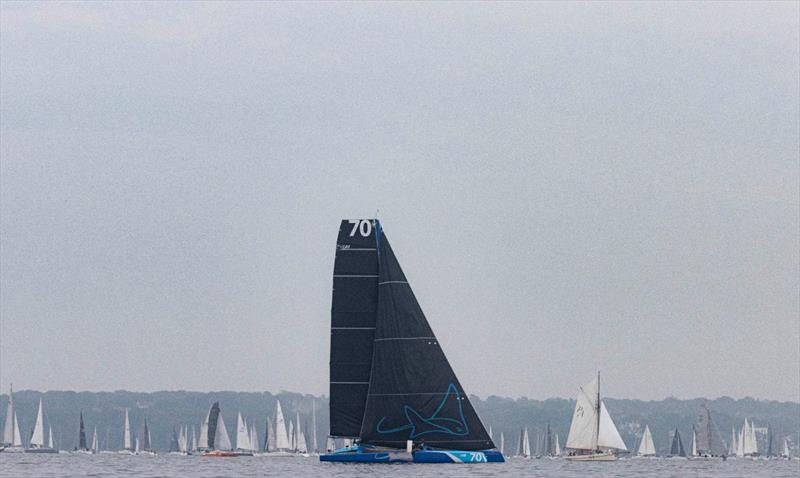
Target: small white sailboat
(127, 449)
(269, 443)
(526, 444)
(734, 444)
(37, 441)
(95, 442)
(592, 433)
(12, 439)
(557, 451)
(314, 449)
(301, 448)
(646, 446)
(282, 444)
(147, 448)
(694, 442)
(202, 442)
(502, 443)
(243, 445)
(785, 454)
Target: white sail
(502, 443)
(17, 436)
(732, 446)
(785, 448)
(526, 444)
(95, 442)
(314, 447)
(194, 439)
(182, 441)
(491, 435)
(694, 442)
(203, 442)
(127, 437)
(137, 449)
(292, 437)
(281, 439)
(583, 429)
(646, 446)
(221, 439)
(50, 443)
(37, 439)
(558, 446)
(242, 440)
(740, 444)
(609, 437)
(753, 442)
(253, 437)
(270, 445)
(301, 443)
(8, 428)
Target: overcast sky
(567, 186)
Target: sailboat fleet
(383, 355)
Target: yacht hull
(419, 456)
(593, 457)
(41, 450)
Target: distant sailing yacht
(646, 446)
(82, 447)
(37, 443)
(127, 447)
(708, 441)
(147, 448)
(219, 443)
(95, 442)
(391, 386)
(747, 445)
(676, 449)
(592, 434)
(243, 445)
(278, 443)
(12, 439)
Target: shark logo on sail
(419, 425)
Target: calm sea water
(25, 465)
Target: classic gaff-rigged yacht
(391, 386)
(592, 434)
(12, 439)
(37, 443)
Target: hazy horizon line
(523, 397)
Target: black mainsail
(82, 436)
(213, 417)
(353, 311)
(413, 392)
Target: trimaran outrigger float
(392, 389)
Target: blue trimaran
(392, 390)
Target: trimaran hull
(366, 455)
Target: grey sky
(567, 186)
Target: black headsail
(213, 417)
(413, 392)
(353, 310)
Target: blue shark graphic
(419, 425)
